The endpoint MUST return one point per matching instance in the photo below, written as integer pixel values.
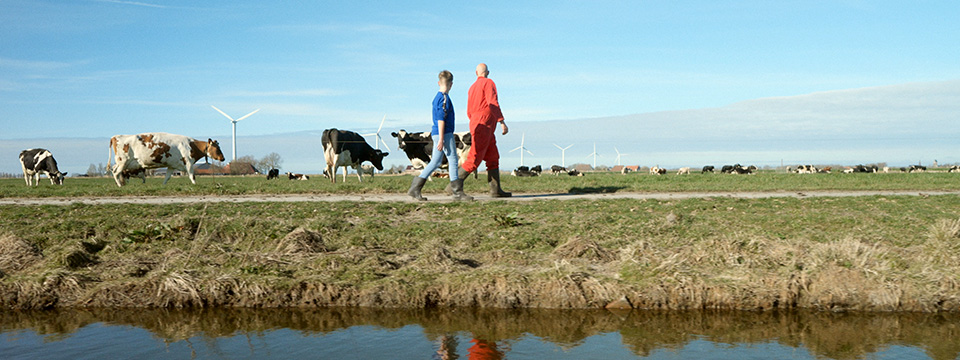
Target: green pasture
(591, 183)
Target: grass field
(882, 253)
(592, 183)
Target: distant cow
(419, 147)
(954, 168)
(574, 172)
(347, 148)
(743, 170)
(138, 172)
(683, 170)
(367, 170)
(727, 169)
(557, 169)
(158, 150)
(40, 161)
(293, 176)
(706, 169)
(524, 171)
(656, 170)
(917, 168)
(273, 174)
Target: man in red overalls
(483, 110)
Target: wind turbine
(618, 154)
(563, 154)
(234, 127)
(521, 148)
(595, 155)
(379, 139)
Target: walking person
(442, 134)
(483, 110)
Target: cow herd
(134, 154)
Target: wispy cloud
(286, 93)
(134, 3)
(32, 65)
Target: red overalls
(483, 110)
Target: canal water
(352, 333)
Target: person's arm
(503, 125)
(440, 125)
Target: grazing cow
(625, 170)
(954, 168)
(293, 176)
(40, 161)
(706, 169)
(537, 169)
(419, 147)
(524, 171)
(557, 169)
(743, 170)
(367, 170)
(727, 169)
(656, 170)
(158, 150)
(347, 148)
(273, 174)
(138, 172)
(886, 169)
(683, 170)
(917, 168)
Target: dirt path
(443, 198)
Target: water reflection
(492, 334)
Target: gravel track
(159, 200)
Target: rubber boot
(458, 194)
(493, 177)
(460, 175)
(415, 188)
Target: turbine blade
(384, 142)
(381, 123)
(222, 113)
(248, 115)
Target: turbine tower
(595, 155)
(234, 127)
(521, 148)
(379, 139)
(563, 154)
(618, 154)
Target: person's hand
(504, 126)
(440, 145)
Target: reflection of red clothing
(483, 109)
(484, 350)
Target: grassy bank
(592, 183)
(864, 253)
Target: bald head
(482, 70)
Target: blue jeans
(449, 150)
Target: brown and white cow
(159, 150)
(40, 161)
(347, 148)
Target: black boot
(415, 187)
(460, 175)
(493, 177)
(458, 194)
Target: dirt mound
(577, 248)
(16, 253)
(301, 241)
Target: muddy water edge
(872, 253)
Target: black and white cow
(557, 169)
(40, 161)
(526, 171)
(419, 147)
(706, 169)
(293, 176)
(347, 148)
(743, 170)
(273, 174)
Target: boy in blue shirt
(442, 133)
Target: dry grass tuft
(578, 248)
(179, 290)
(943, 241)
(301, 241)
(16, 254)
(76, 258)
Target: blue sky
(98, 68)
